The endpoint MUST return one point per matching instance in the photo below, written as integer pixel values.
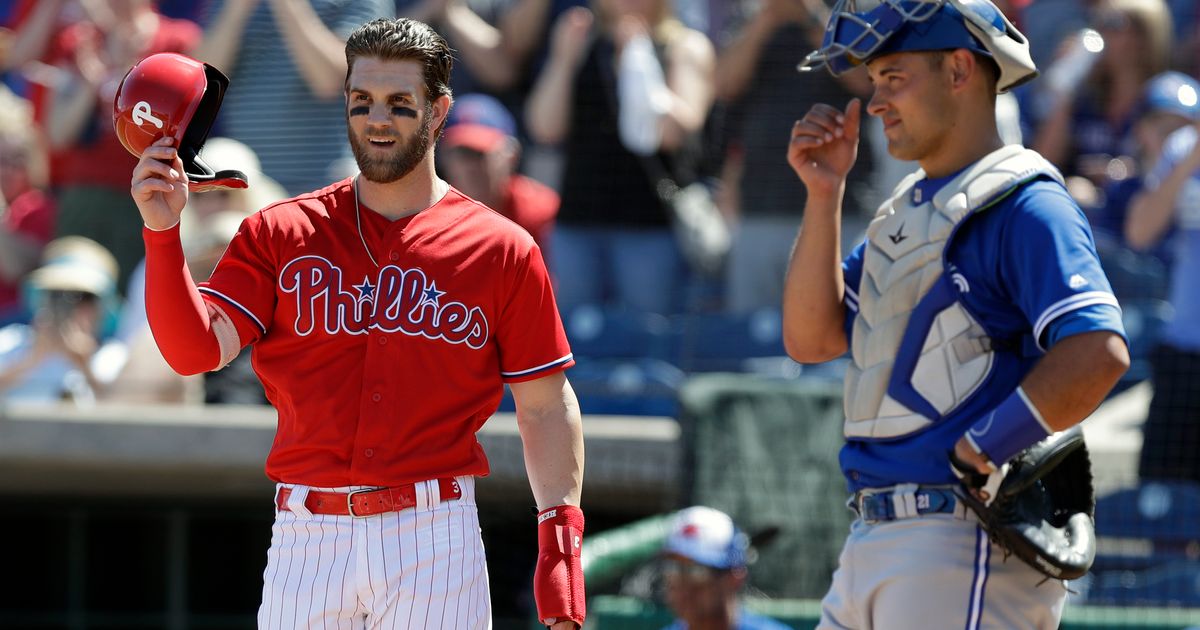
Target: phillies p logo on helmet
(142, 114)
(168, 94)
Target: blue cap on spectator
(709, 537)
(479, 122)
(1173, 93)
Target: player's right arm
(823, 147)
(186, 330)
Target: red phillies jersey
(384, 349)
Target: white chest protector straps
(917, 353)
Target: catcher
(978, 321)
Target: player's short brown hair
(404, 39)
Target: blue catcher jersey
(1028, 271)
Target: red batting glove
(558, 578)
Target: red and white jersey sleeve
(244, 280)
(384, 345)
(531, 336)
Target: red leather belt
(366, 502)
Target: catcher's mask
(860, 30)
(168, 94)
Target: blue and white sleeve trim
(851, 299)
(1068, 304)
(234, 303)
(541, 368)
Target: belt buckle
(860, 502)
(350, 503)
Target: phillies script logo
(400, 300)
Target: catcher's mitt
(1044, 508)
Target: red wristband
(558, 579)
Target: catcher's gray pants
(935, 572)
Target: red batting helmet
(168, 94)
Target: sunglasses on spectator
(687, 571)
(71, 297)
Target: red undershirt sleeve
(178, 316)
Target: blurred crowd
(580, 121)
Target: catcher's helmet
(168, 94)
(860, 30)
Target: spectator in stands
(1079, 127)
(287, 68)
(27, 217)
(89, 169)
(26, 35)
(482, 61)
(1170, 201)
(1169, 102)
(480, 153)
(626, 98)
(757, 79)
(58, 356)
(526, 33)
(207, 225)
(705, 566)
(1047, 24)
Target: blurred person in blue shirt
(59, 356)
(1168, 103)
(1169, 206)
(705, 567)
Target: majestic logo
(400, 300)
(1076, 282)
(141, 114)
(899, 236)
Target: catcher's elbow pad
(558, 579)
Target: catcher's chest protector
(917, 353)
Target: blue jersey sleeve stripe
(236, 305)
(1066, 305)
(540, 368)
(850, 299)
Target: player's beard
(406, 155)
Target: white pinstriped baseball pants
(423, 567)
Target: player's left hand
(983, 484)
(967, 455)
(565, 625)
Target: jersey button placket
(376, 397)
(394, 256)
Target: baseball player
(387, 311)
(976, 314)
